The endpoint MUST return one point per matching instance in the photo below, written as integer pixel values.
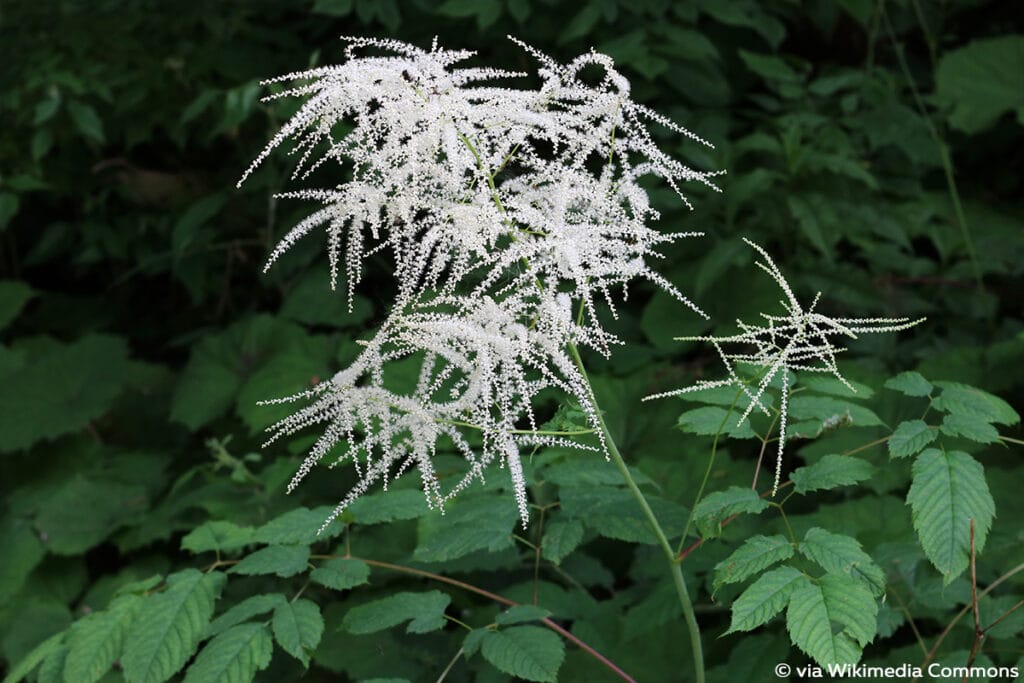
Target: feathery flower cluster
(509, 213)
(797, 341)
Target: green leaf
(530, 652)
(52, 668)
(468, 525)
(61, 390)
(973, 428)
(159, 644)
(22, 552)
(840, 554)
(248, 608)
(282, 560)
(765, 598)
(839, 599)
(613, 512)
(217, 536)
(233, 657)
(33, 658)
(97, 640)
(910, 383)
(828, 410)
(299, 526)
(86, 120)
(716, 507)
(424, 611)
(756, 553)
(830, 472)
(341, 574)
(82, 512)
(910, 437)
(14, 294)
(521, 613)
(388, 506)
(312, 303)
(947, 491)
(711, 420)
(298, 627)
(981, 81)
(9, 204)
(561, 537)
(824, 384)
(968, 401)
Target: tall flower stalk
(511, 215)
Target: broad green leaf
(83, 511)
(716, 507)
(529, 652)
(97, 640)
(245, 610)
(219, 536)
(61, 390)
(756, 553)
(52, 668)
(299, 526)
(981, 81)
(30, 661)
(14, 294)
(948, 491)
(159, 644)
(973, 428)
(910, 383)
(341, 574)
(828, 410)
(590, 470)
(86, 120)
(388, 506)
(830, 472)
(423, 611)
(824, 384)
(312, 302)
(282, 560)
(521, 613)
(298, 627)
(840, 554)
(468, 525)
(910, 437)
(233, 657)
(613, 512)
(22, 551)
(711, 420)
(561, 537)
(765, 598)
(838, 599)
(970, 402)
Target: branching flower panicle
(801, 340)
(510, 214)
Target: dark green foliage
(873, 149)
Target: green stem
(670, 556)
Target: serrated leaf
(341, 573)
(22, 552)
(613, 513)
(824, 384)
(830, 472)
(910, 383)
(828, 410)
(756, 553)
(521, 613)
(160, 644)
(299, 526)
(298, 627)
(839, 554)
(52, 668)
(282, 560)
(835, 598)
(248, 608)
(947, 491)
(971, 402)
(61, 390)
(765, 598)
(388, 506)
(97, 640)
(233, 656)
(716, 507)
(981, 81)
(561, 537)
(86, 120)
(30, 661)
(910, 437)
(469, 525)
(471, 643)
(14, 294)
(424, 611)
(217, 536)
(973, 428)
(711, 420)
(84, 511)
(529, 652)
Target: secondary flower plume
(511, 215)
(800, 340)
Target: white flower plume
(800, 340)
(511, 215)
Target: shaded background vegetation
(874, 149)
